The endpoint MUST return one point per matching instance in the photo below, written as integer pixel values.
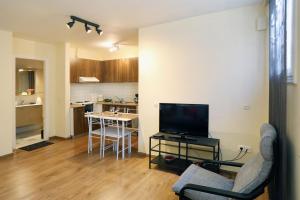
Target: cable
(236, 157)
(243, 154)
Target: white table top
(111, 115)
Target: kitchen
(102, 85)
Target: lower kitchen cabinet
(79, 121)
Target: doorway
(29, 101)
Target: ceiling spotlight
(70, 24)
(87, 29)
(99, 31)
(114, 48)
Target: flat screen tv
(184, 119)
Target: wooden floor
(64, 170)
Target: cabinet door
(133, 70)
(99, 70)
(120, 70)
(85, 67)
(109, 71)
(79, 121)
(74, 71)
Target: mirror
(25, 82)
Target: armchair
(197, 183)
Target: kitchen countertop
(118, 104)
(27, 105)
(76, 105)
(106, 103)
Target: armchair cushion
(256, 170)
(197, 175)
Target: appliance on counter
(83, 79)
(100, 97)
(136, 98)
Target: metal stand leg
(150, 153)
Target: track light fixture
(87, 25)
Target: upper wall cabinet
(120, 70)
(109, 71)
(85, 67)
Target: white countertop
(27, 105)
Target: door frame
(46, 105)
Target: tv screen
(184, 119)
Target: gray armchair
(197, 183)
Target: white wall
(7, 100)
(217, 59)
(104, 53)
(62, 91)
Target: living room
(211, 56)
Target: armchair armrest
(220, 192)
(227, 163)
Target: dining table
(121, 117)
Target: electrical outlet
(244, 148)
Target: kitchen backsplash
(90, 91)
(28, 98)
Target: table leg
(123, 140)
(90, 140)
(129, 143)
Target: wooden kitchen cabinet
(80, 122)
(120, 70)
(85, 67)
(108, 71)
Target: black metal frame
(184, 143)
(226, 193)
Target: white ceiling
(120, 19)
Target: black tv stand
(183, 159)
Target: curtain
(278, 94)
